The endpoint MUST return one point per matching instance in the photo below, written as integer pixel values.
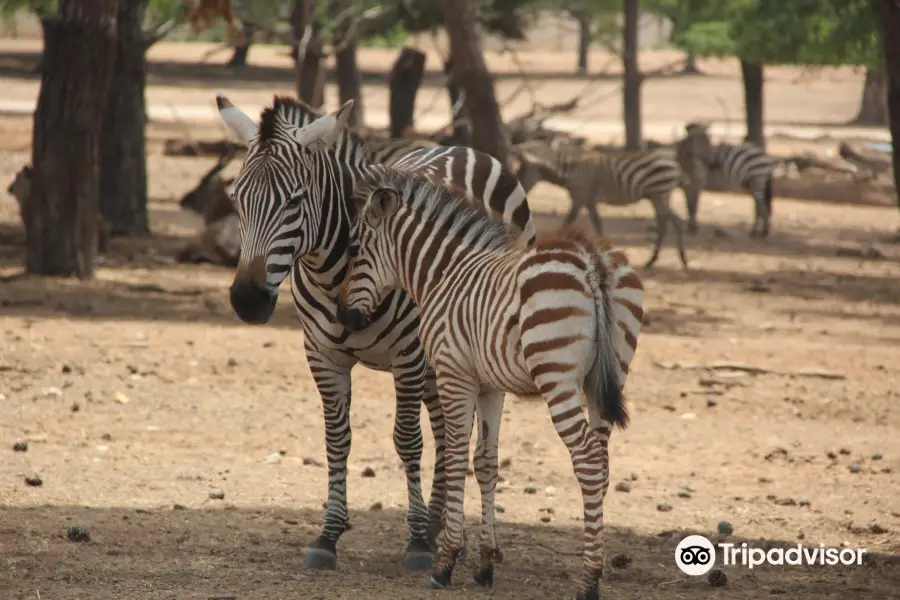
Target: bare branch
(151, 37)
(213, 51)
(664, 70)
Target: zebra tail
(601, 384)
(769, 194)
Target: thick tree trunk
(873, 103)
(461, 134)
(239, 57)
(349, 79)
(123, 170)
(632, 83)
(690, 65)
(753, 102)
(890, 17)
(61, 220)
(310, 75)
(584, 39)
(488, 131)
(404, 82)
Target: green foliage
(813, 32)
(43, 9)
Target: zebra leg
(458, 396)
(409, 383)
(678, 225)
(333, 382)
(594, 216)
(588, 449)
(490, 412)
(767, 196)
(662, 212)
(692, 199)
(573, 213)
(438, 500)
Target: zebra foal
(617, 179)
(560, 318)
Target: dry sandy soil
(140, 391)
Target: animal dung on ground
(78, 534)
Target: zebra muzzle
(352, 318)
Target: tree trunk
(873, 104)
(310, 76)
(753, 102)
(123, 170)
(461, 134)
(349, 79)
(61, 220)
(584, 39)
(488, 131)
(239, 57)
(890, 17)
(632, 84)
(690, 65)
(404, 82)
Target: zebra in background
(728, 167)
(617, 179)
(294, 200)
(560, 318)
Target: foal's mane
(434, 202)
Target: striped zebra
(617, 179)
(294, 200)
(729, 168)
(560, 318)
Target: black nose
(251, 303)
(353, 319)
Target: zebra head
(373, 271)
(277, 196)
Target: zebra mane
(438, 204)
(290, 112)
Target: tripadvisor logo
(696, 555)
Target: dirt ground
(140, 392)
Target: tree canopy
(812, 32)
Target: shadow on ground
(258, 553)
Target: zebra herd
(424, 262)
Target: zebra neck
(451, 261)
(337, 174)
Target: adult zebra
(724, 166)
(294, 200)
(560, 319)
(614, 178)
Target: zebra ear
(236, 122)
(321, 134)
(382, 203)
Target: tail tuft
(602, 385)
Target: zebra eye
(353, 250)
(294, 201)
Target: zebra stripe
(726, 167)
(560, 318)
(617, 179)
(294, 199)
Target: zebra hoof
(438, 582)
(321, 555)
(419, 556)
(485, 578)
(592, 593)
